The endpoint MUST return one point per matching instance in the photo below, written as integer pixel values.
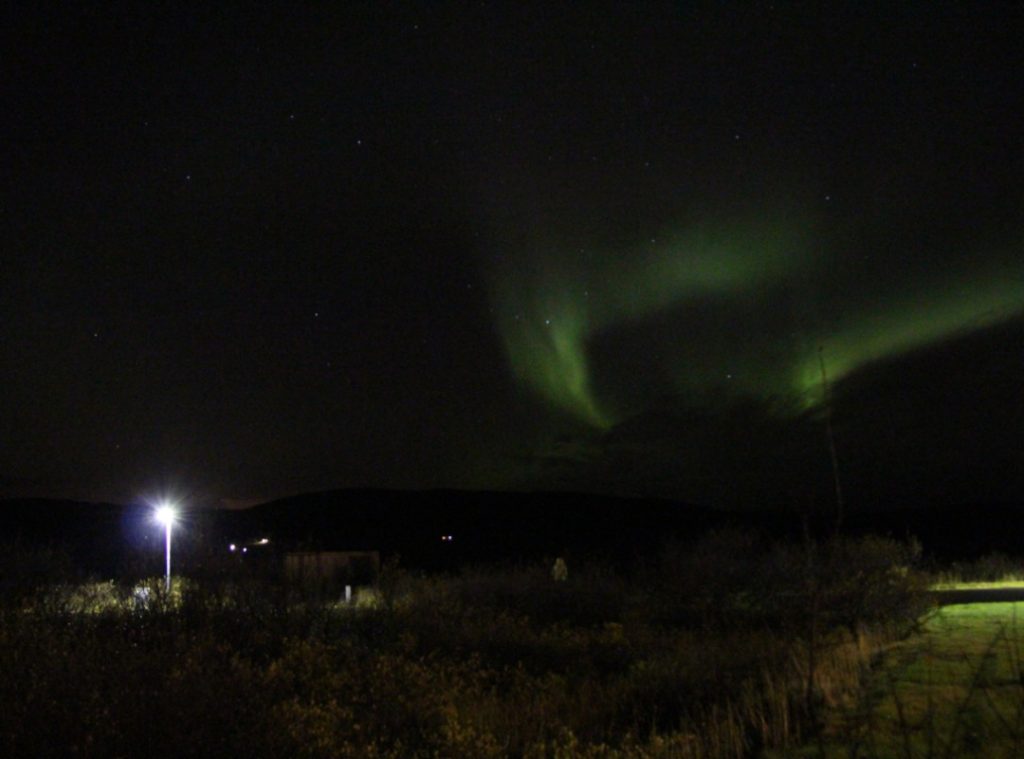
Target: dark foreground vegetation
(720, 647)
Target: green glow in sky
(912, 321)
(553, 303)
(549, 311)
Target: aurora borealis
(552, 312)
(548, 322)
(596, 247)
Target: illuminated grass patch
(954, 689)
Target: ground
(955, 689)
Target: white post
(168, 533)
(165, 515)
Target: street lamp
(165, 515)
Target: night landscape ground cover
(727, 642)
(718, 650)
(954, 689)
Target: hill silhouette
(484, 527)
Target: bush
(28, 571)
(993, 567)
(707, 653)
(735, 578)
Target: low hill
(447, 528)
(443, 526)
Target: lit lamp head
(165, 515)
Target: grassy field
(718, 649)
(956, 689)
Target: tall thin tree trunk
(827, 397)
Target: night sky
(486, 245)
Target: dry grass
(697, 657)
(956, 689)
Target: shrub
(710, 652)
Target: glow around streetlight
(166, 514)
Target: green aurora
(906, 323)
(553, 308)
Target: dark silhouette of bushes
(732, 578)
(710, 651)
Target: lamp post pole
(165, 515)
(168, 540)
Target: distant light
(165, 515)
(232, 547)
(447, 538)
(263, 541)
(245, 550)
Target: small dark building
(333, 568)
